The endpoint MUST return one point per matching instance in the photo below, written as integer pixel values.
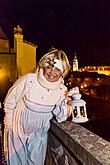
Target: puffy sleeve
(13, 96)
(63, 108)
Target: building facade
(99, 69)
(18, 61)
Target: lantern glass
(75, 112)
(82, 112)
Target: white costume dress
(30, 106)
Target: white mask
(54, 63)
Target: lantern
(79, 114)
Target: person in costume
(30, 104)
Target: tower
(18, 47)
(25, 53)
(75, 63)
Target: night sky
(81, 26)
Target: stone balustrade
(72, 144)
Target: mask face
(53, 61)
(52, 74)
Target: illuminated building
(18, 61)
(99, 69)
(75, 63)
(7, 58)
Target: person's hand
(8, 123)
(66, 105)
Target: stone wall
(72, 144)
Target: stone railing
(72, 144)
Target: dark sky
(81, 26)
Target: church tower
(75, 63)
